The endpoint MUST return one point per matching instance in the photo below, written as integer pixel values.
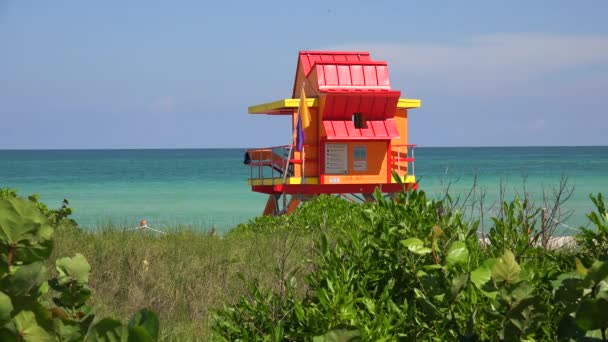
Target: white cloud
(163, 104)
(490, 63)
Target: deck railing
(277, 163)
(402, 159)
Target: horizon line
(235, 148)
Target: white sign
(336, 159)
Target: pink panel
(376, 130)
(344, 75)
(352, 131)
(306, 65)
(340, 129)
(356, 75)
(369, 71)
(391, 128)
(331, 75)
(339, 58)
(379, 128)
(329, 128)
(321, 76)
(382, 73)
(353, 58)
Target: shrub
(413, 271)
(26, 314)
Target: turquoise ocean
(202, 188)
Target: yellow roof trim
(284, 106)
(405, 179)
(408, 103)
(279, 181)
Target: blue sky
(180, 74)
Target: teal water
(208, 187)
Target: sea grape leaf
(23, 278)
(339, 335)
(457, 253)
(6, 307)
(139, 334)
(567, 288)
(146, 320)
(592, 314)
(482, 274)
(109, 330)
(458, 283)
(22, 220)
(580, 268)
(28, 251)
(506, 269)
(75, 269)
(598, 271)
(67, 331)
(28, 329)
(416, 246)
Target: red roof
(309, 58)
(352, 75)
(374, 105)
(375, 130)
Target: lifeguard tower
(349, 134)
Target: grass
(181, 275)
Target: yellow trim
(408, 103)
(281, 105)
(287, 104)
(279, 181)
(406, 179)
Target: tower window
(358, 120)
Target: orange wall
(401, 122)
(376, 171)
(311, 147)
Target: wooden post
(543, 227)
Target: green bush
(57, 218)
(29, 310)
(595, 241)
(414, 271)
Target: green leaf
(339, 335)
(75, 269)
(592, 314)
(109, 330)
(139, 334)
(598, 271)
(146, 320)
(28, 328)
(580, 269)
(458, 283)
(506, 269)
(457, 253)
(21, 220)
(482, 274)
(67, 331)
(416, 246)
(6, 307)
(568, 289)
(23, 278)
